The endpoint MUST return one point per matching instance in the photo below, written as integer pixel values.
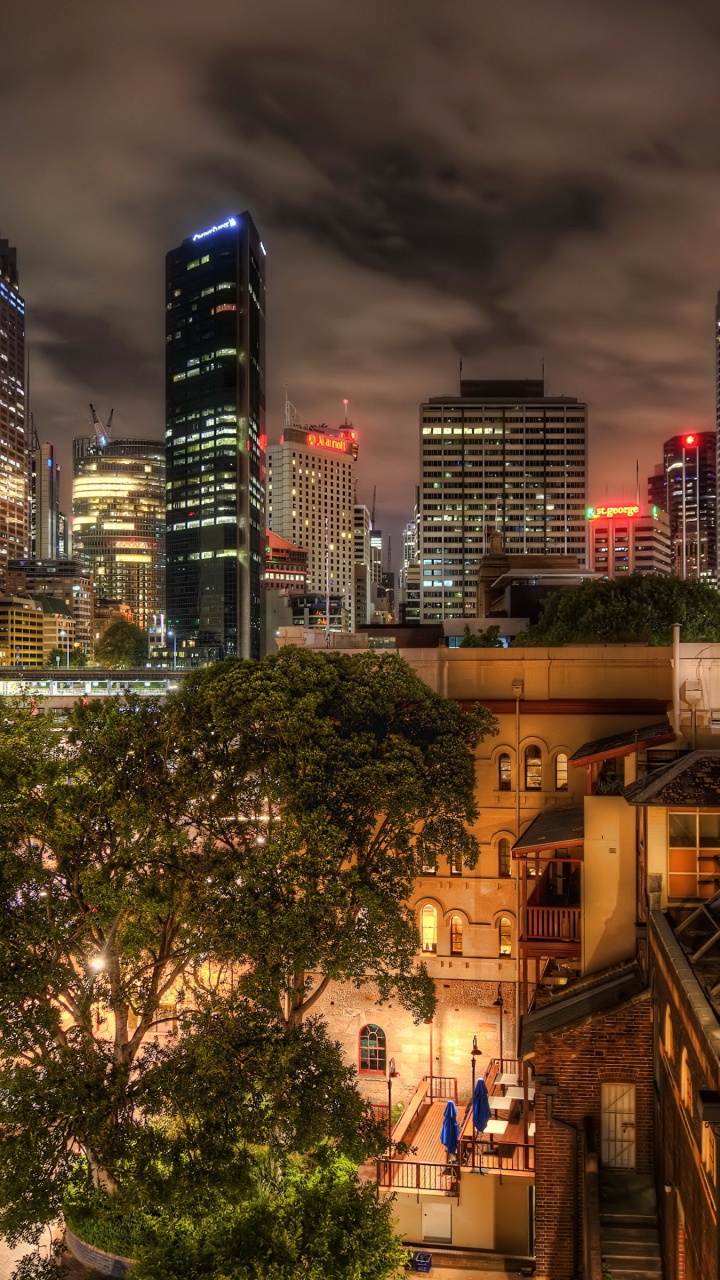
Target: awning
(553, 829)
(623, 744)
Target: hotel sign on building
(626, 538)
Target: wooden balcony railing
(412, 1175)
(441, 1087)
(552, 924)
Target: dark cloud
(509, 180)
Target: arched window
(533, 769)
(504, 773)
(504, 858)
(505, 936)
(686, 1090)
(456, 930)
(428, 927)
(372, 1048)
(561, 772)
(667, 1038)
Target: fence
(441, 1087)
(412, 1175)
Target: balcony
(552, 924)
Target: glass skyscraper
(215, 392)
(13, 438)
(119, 521)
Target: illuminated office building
(119, 521)
(13, 438)
(311, 478)
(624, 538)
(215, 435)
(684, 484)
(44, 539)
(502, 456)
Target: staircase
(629, 1238)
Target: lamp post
(173, 637)
(474, 1054)
(499, 1003)
(392, 1075)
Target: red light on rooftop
(689, 441)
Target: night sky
(501, 179)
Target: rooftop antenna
(542, 364)
(637, 481)
(389, 560)
(346, 403)
(460, 388)
(372, 513)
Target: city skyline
(473, 218)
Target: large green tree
(230, 851)
(123, 645)
(638, 609)
(328, 781)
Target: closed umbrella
(450, 1132)
(481, 1106)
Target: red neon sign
(326, 442)
(607, 513)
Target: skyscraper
(500, 456)
(311, 476)
(684, 485)
(13, 455)
(44, 479)
(215, 392)
(119, 521)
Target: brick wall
(686, 1213)
(614, 1047)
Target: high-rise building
(362, 565)
(685, 485)
(13, 455)
(622, 539)
(215, 391)
(66, 580)
(311, 478)
(119, 520)
(502, 456)
(44, 478)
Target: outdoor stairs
(629, 1239)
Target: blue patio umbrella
(450, 1132)
(481, 1106)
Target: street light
(499, 1003)
(173, 637)
(392, 1075)
(474, 1053)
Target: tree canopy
(123, 645)
(59, 658)
(638, 609)
(487, 639)
(211, 863)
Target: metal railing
(441, 1087)
(517, 1158)
(414, 1175)
(557, 924)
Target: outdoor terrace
(504, 1147)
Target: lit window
(456, 932)
(428, 928)
(667, 1038)
(686, 1090)
(561, 772)
(455, 864)
(708, 1151)
(504, 773)
(533, 769)
(504, 858)
(505, 936)
(372, 1048)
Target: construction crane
(102, 434)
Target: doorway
(617, 1146)
(437, 1221)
